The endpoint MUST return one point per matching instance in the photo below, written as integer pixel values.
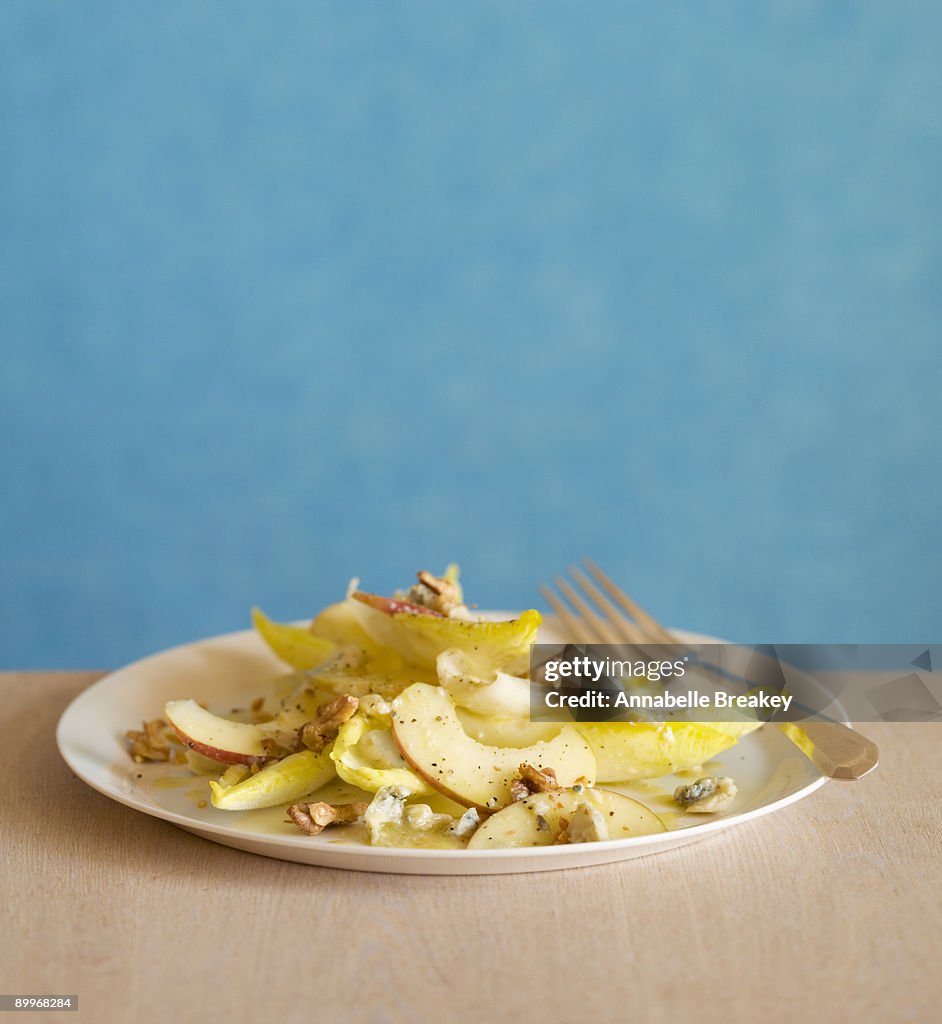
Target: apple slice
(434, 744)
(215, 737)
(538, 819)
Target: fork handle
(836, 750)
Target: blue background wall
(291, 293)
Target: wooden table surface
(830, 910)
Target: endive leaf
(281, 783)
(296, 645)
(646, 750)
(421, 636)
(362, 761)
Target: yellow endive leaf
(420, 636)
(373, 765)
(290, 779)
(647, 750)
(296, 645)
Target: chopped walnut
(323, 728)
(436, 593)
(518, 790)
(314, 818)
(150, 744)
(532, 780)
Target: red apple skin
(218, 738)
(435, 782)
(393, 606)
(225, 756)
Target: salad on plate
(405, 722)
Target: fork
(600, 612)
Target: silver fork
(600, 612)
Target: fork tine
(565, 616)
(658, 632)
(625, 629)
(603, 632)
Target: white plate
(232, 670)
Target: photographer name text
(667, 701)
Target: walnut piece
(149, 744)
(532, 780)
(314, 818)
(323, 728)
(435, 593)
